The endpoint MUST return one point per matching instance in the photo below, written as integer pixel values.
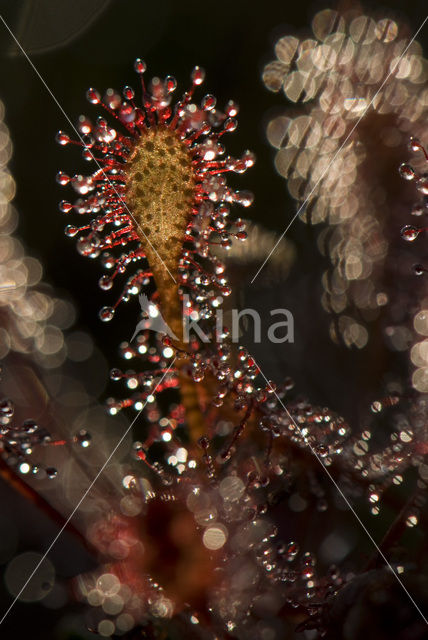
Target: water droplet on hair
(83, 438)
(140, 66)
(414, 144)
(6, 409)
(70, 231)
(422, 185)
(419, 269)
(65, 206)
(409, 232)
(407, 172)
(62, 138)
(412, 520)
(93, 96)
(417, 209)
(105, 283)
(198, 75)
(106, 314)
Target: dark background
(75, 45)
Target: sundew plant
(213, 414)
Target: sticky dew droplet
(409, 232)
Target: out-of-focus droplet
(231, 488)
(376, 406)
(83, 438)
(214, 537)
(412, 520)
(422, 185)
(419, 269)
(41, 581)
